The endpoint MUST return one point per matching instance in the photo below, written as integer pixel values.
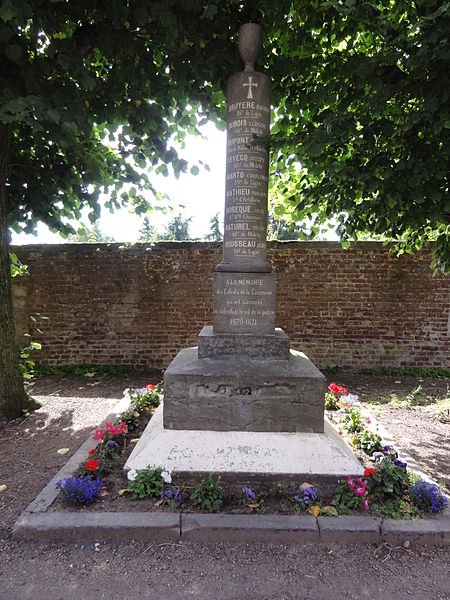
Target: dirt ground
(73, 406)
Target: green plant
(26, 364)
(144, 398)
(305, 497)
(131, 418)
(415, 397)
(389, 479)
(353, 421)
(278, 489)
(208, 495)
(394, 508)
(147, 482)
(369, 441)
(351, 494)
(408, 372)
(331, 401)
(441, 408)
(84, 370)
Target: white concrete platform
(243, 454)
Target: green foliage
(17, 268)
(280, 228)
(331, 401)
(408, 372)
(131, 418)
(215, 234)
(148, 397)
(346, 500)
(26, 364)
(363, 121)
(177, 229)
(369, 441)
(441, 409)
(414, 398)
(90, 235)
(86, 370)
(147, 483)
(147, 233)
(389, 480)
(278, 489)
(394, 508)
(353, 421)
(208, 495)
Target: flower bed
(387, 488)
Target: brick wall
(136, 305)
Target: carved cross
(250, 85)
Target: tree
(280, 229)
(214, 235)
(147, 232)
(362, 125)
(91, 94)
(90, 235)
(177, 229)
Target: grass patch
(407, 372)
(439, 406)
(83, 370)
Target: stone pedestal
(243, 394)
(237, 346)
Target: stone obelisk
(246, 304)
(243, 378)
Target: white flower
(351, 398)
(166, 474)
(132, 474)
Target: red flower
(150, 386)
(342, 390)
(92, 465)
(334, 388)
(369, 472)
(91, 452)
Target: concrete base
(243, 395)
(245, 456)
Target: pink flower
(99, 434)
(366, 504)
(360, 491)
(350, 483)
(368, 420)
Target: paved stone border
(35, 523)
(210, 528)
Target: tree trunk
(13, 398)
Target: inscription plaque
(244, 303)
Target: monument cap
(250, 44)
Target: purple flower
(399, 463)
(112, 445)
(249, 493)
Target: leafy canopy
(92, 93)
(360, 96)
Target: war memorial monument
(243, 404)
